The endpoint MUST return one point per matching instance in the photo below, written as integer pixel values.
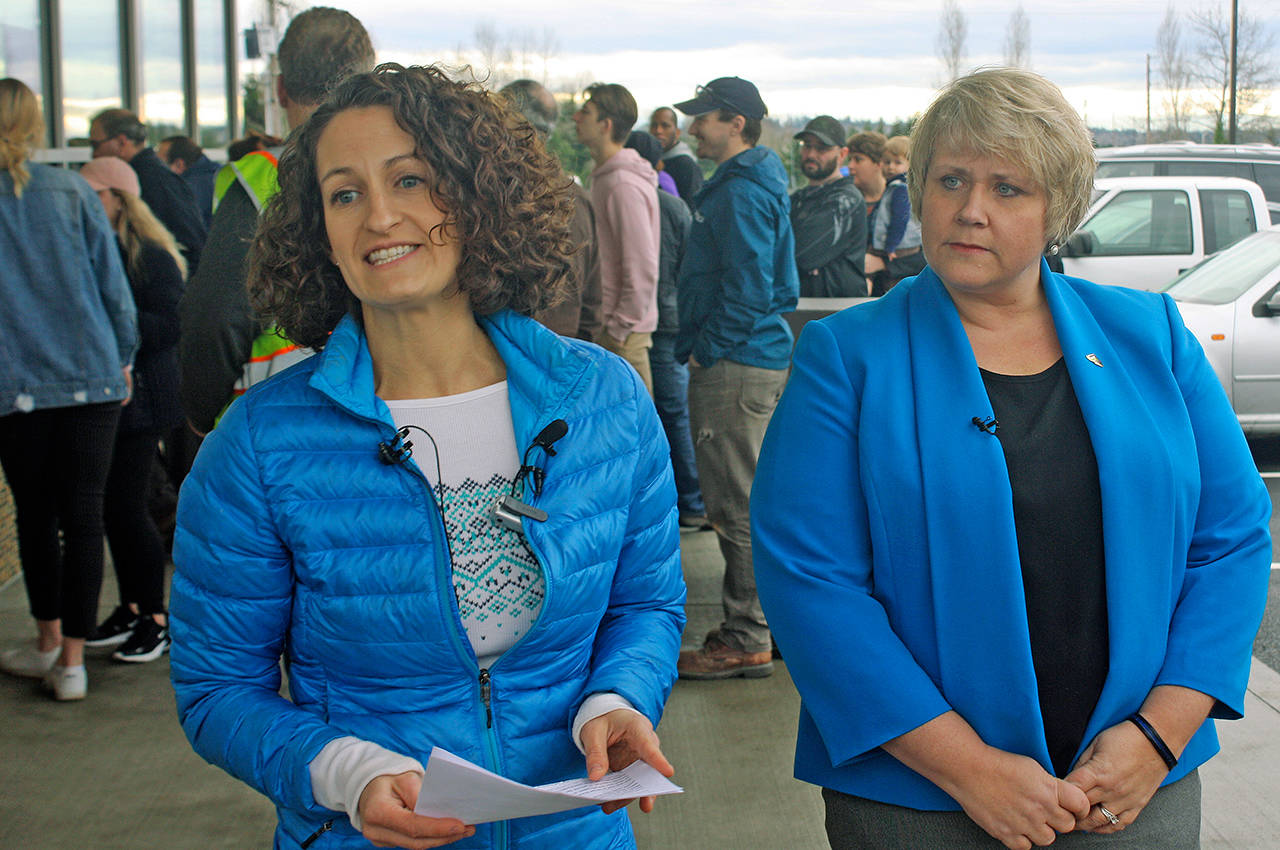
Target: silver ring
(1106, 813)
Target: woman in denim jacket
(68, 331)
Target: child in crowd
(895, 232)
(896, 158)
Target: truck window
(1202, 168)
(1228, 217)
(1126, 168)
(1142, 222)
(1268, 177)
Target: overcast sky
(869, 59)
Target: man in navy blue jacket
(118, 132)
(737, 280)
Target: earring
(1054, 247)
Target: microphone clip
(511, 512)
(988, 425)
(396, 450)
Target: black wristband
(1170, 760)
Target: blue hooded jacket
(739, 272)
(294, 539)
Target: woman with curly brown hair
(516, 599)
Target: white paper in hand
(453, 787)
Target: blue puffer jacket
(739, 271)
(294, 539)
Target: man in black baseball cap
(732, 93)
(829, 216)
(737, 280)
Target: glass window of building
(162, 105)
(20, 43)
(211, 82)
(90, 63)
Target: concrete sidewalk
(116, 772)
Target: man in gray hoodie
(677, 157)
(627, 225)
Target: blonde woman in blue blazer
(1008, 533)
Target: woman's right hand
(1010, 796)
(386, 810)
(1018, 803)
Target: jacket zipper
(444, 564)
(485, 692)
(483, 678)
(311, 839)
(491, 746)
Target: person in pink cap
(156, 270)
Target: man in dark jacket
(188, 160)
(677, 158)
(737, 281)
(670, 376)
(118, 132)
(829, 216)
(320, 47)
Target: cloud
(876, 57)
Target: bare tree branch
(495, 52)
(951, 38)
(1017, 39)
(1172, 69)
(547, 49)
(1256, 72)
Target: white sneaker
(67, 683)
(29, 661)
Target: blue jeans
(671, 396)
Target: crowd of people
(456, 410)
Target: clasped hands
(1022, 805)
(612, 742)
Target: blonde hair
(898, 146)
(138, 224)
(21, 126)
(1021, 117)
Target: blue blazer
(884, 544)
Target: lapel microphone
(396, 450)
(989, 425)
(510, 511)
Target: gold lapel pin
(1093, 358)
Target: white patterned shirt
(496, 579)
(498, 583)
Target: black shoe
(150, 640)
(114, 630)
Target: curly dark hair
(506, 200)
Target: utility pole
(1148, 138)
(1235, 19)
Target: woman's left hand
(128, 384)
(1121, 771)
(613, 741)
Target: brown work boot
(718, 660)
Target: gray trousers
(1171, 821)
(729, 409)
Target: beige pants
(635, 350)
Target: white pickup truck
(1144, 231)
